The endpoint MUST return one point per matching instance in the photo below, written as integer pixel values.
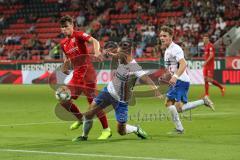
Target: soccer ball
(63, 93)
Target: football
(63, 93)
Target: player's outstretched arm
(65, 66)
(148, 80)
(96, 46)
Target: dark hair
(126, 46)
(66, 19)
(167, 29)
(125, 49)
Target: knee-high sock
(206, 88)
(175, 117)
(90, 91)
(103, 119)
(87, 125)
(71, 107)
(215, 83)
(192, 105)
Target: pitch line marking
(28, 124)
(84, 154)
(42, 123)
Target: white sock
(191, 105)
(130, 129)
(87, 125)
(175, 117)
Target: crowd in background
(209, 16)
(198, 17)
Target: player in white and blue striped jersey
(118, 92)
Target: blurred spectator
(31, 29)
(195, 17)
(99, 5)
(74, 4)
(48, 43)
(220, 24)
(2, 48)
(62, 3)
(2, 39)
(55, 51)
(80, 19)
(16, 39)
(10, 55)
(193, 50)
(32, 18)
(9, 39)
(2, 20)
(139, 51)
(125, 8)
(24, 55)
(152, 11)
(34, 44)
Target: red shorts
(83, 81)
(208, 72)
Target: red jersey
(75, 49)
(209, 48)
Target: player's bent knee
(179, 109)
(178, 106)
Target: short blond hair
(167, 29)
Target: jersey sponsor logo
(72, 50)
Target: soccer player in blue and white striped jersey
(118, 92)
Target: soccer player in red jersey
(208, 66)
(84, 74)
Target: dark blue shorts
(104, 99)
(179, 92)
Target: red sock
(215, 83)
(90, 91)
(71, 107)
(206, 88)
(103, 119)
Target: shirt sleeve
(82, 36)
(138, 71)
(179, 54)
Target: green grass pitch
(29, 129)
